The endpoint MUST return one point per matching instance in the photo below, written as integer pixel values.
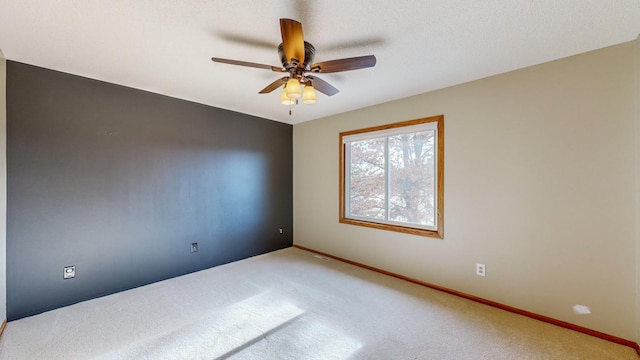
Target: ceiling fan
(297, 57)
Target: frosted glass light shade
(309, 95)
(285, 100)
(293, 88)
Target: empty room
(319, 179)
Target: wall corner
(3, 190)
(636, 96)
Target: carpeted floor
(291, 304)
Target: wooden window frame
(439, 231)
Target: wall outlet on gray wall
(194, 247)
(69, 272)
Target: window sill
(438, 234)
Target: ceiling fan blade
(292, 40)
(274, 85)
(322, 86)
(249, 64)
(354, 63)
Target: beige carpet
(291, 304)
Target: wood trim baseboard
(2, 326)
(512, 309)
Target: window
(391, 177)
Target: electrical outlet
(481, 270)
(194, 247)
(69, 272)
(281, 231)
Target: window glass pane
(412, 178)
(367, 187)
(389, 177)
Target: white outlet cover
(69, 272)
(481, 270)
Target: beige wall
(637, 98)
(539, 186)
(3, 187)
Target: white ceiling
(165, 46)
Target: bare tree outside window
(367, 187)
(391, 177)
(412, 178)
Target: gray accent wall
(119, 182)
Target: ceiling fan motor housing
(309, 54)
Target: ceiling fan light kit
(309, 95)
(293, 88)
(296, 56)
(285, 100)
